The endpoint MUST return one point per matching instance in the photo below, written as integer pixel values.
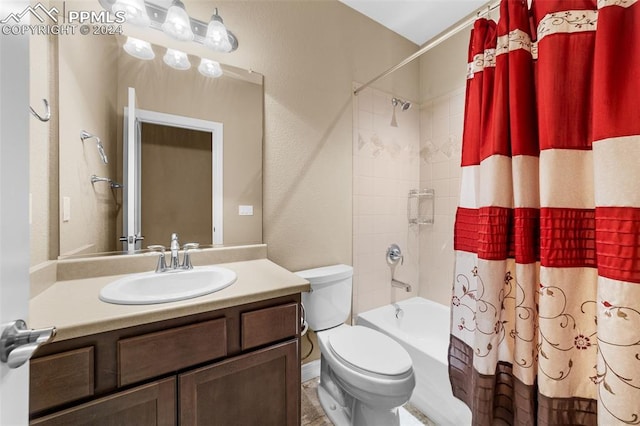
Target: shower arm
(112, 184)
(84, 135)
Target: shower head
(404, 105)
(84, 135)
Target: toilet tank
(329, 303)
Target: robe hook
(47, 115)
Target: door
(257, 388)
(14, 204)
(132, 235)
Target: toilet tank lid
(326, 274)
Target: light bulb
(217, 37)
(135, 11)
(176, 59)
(210, 68)
(177, 23)
(139, 49)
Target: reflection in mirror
(177, 169)
(94, 74)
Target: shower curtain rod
(485, 10)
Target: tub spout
(400, 284)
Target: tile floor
(313, 415)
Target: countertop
(73, 307)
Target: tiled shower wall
(386, 165)
(422, 152)
(441, 124)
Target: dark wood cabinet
(234, 366)
(259, 388)
(153, 404)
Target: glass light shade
(176, 59)
(177, 23)
(135, 11)
(217, 37)
(210, 68)
(139, 49)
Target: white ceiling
(416, 20)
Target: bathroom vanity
(228, 358)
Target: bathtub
(423, 331)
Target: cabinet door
(258, 388)
(149, 405)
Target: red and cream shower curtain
(546, 297)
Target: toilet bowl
(364, 375)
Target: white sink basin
(151, 287)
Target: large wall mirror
(94, 77)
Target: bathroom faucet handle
(394, 254)
(186, 259)
(158, 250)
(190, 246)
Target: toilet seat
(370, 352)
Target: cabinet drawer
(264, 326)
(61, 378)
(154, 354)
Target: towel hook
(47, 115)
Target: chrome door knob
(18, 343)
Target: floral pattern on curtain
(546, 303)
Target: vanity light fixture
(176, 59)
(177, 24)
(217, 37)
(210, 68)
(139, 49)
(135, 11)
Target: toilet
(364, 374)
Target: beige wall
(43, 179)
(442, 92)
(87, 101)
(443, 69)
(310, 53)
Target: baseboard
(310, 370)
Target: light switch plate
(66, 209)
(245, 210)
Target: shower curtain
(546, 297)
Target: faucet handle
(158, 250)
(186, 259)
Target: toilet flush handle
(303, 321)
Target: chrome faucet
(175, 264)
(400, 284)
(175, 246)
